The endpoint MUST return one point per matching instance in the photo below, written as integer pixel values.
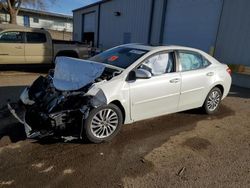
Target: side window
(11, 37)
(206, 63)
(190, 61)
(35, 37)
(159, 64)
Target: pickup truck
(22, 45)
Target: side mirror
(142, 74)
(139, 74)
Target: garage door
(89, 22)
(89, 27)
(192, 23)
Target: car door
(12, 47)
(37, 49)
(158, 95)
(195, 79)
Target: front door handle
(210, 74)
(174, 81)
(18, 47)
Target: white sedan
(125, 84)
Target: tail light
(229, 71)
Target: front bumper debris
(21, 118)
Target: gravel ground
(186, 149)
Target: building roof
(11, 27)
(32, 11)
(91, 5)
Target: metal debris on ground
(47, 169)
(3, 183)
(69, 138)
(142, 160)
(68, 171)
(181, 171)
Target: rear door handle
(18, 47)
(210, 74)
(174, 81)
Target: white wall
(52, 23)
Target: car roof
(159, 48)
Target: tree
(13, 6)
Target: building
(216, 26)
(219, 27)
(113, 22)
(41, 19)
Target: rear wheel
(66, 54)
(212, 102)
(103, 123)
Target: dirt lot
(186, 149)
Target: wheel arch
(220, 87)
(119, 105)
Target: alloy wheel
(213, 101)
(104, 123)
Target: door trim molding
(154, 99)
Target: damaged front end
(59, 103)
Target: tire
(212, 102)
(66, 54)
(97, 126)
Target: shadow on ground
(239, 92)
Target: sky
(66, 6)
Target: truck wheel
(103, 123)
(68, 54)
(212, 102)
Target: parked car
(22, 45)
(122, 85)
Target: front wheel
(212, 102)
(103, 123)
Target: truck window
(11, 37)
(35, 37)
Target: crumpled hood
(73, 74)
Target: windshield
(121, 57)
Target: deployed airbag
(73, 74)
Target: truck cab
(21, 45)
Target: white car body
(120, 86)
(165, 94)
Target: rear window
(121, 57)
(35, 37)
